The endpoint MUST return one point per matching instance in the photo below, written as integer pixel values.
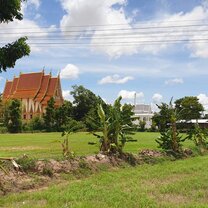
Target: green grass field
(47, 145)
(181, 183)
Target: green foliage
(71, 127)
(9, 54)
(163, 117)
(3, 130)
(84, 101)
(27, 164)
(168, 117)
(10, 10)
(153, 127)
(48, 171)
(62, 115)
(13, 118)
(115, 127)
(36, 124)
(142, 125)
(199, 136)
(189, 108)
(49, 116)
(167, 143)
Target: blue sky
(156, 72)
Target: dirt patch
(151, 153)
(37, 175)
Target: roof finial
(58, 75)
(50, 73)
(43, 69)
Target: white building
(143, 112)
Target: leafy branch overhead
(9, 54)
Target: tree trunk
(174, 137)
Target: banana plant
(72, 126)
(115, 127)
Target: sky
(154, 48)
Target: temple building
(34, 90)
(143, 112)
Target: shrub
(167, 143)
(142, 125)
(199, 136)
(3, 130)
(36, 124)
(116, 126)
(27, 164)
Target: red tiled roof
(51, 90)
(44, 87)
(7, 89)
(30, 81)
(37, 86)
(14, 87)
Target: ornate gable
(35, 90)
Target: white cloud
(66, 95)
(115, 79)
(91, 12)
(70, 72)
(142, 37)
(27, 4)
(129, 95)
(157, 98)
(17, 29)
(36, 3)
(174, 81)
(203, 99)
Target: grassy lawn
(46, 145)
(182, 183)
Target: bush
(36, 124)
(142, 125)
(166, 141)
(27, 164)
(3, 130)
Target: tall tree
(13, 116)
(63, 114)
(9, 54)
(189, 107)
(49, 116)
(170, 139)
(162, 118)
(84, 101)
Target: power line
(102, 30)
(112, 25)
(122, 43)
(133, 36)
(111, 34)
